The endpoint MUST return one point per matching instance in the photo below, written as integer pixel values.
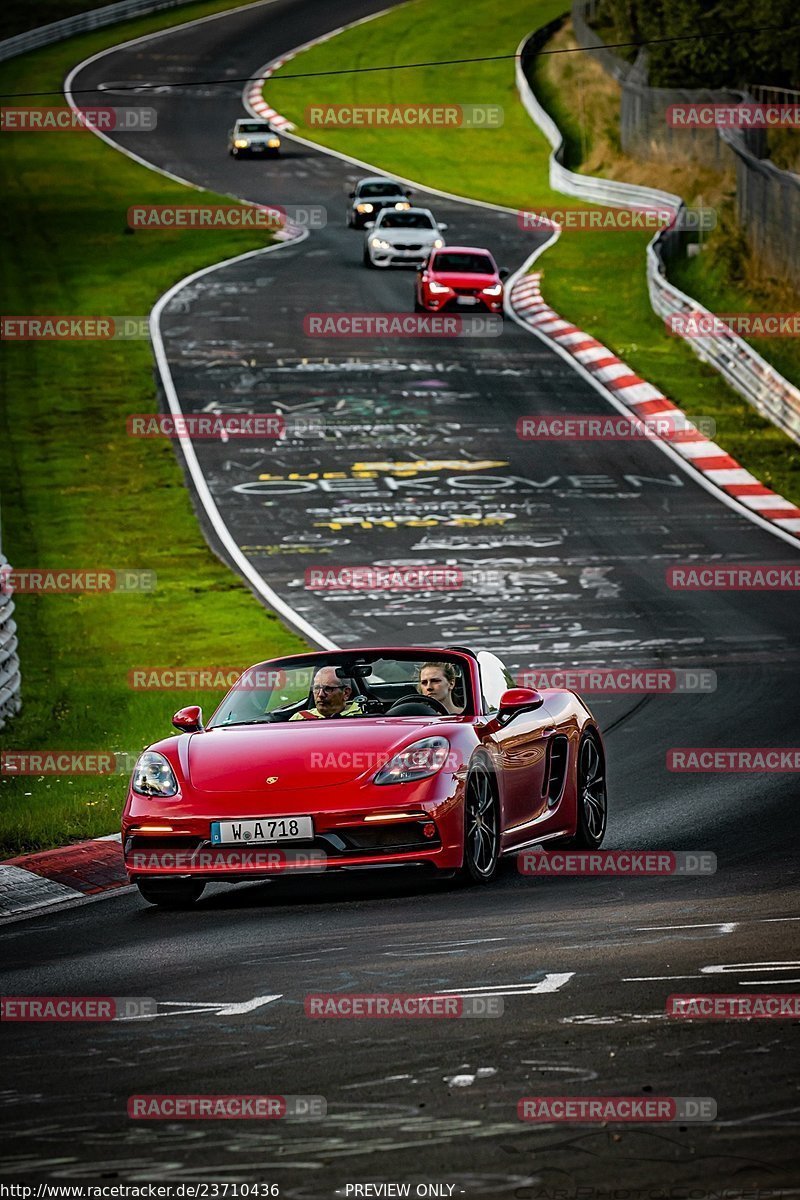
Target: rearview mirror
(516, 701)
(189, 719)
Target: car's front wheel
(481, 827)
(171, 893)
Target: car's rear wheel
(592, 798)
(171, 893)
(481, 827)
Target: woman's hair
(447, 669)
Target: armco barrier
(740, 365)
(82, 22)
(9, 663)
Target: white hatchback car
(396, 237)
(251, 138)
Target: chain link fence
(10, 681)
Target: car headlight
(153, 776)
(420, 760)
(241, 143)
(274, 143)
(439, 242)
(437, 287)
(495, 290)
(363, 208)
(380, 244)
(402, 204)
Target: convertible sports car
(372, 757)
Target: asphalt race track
(564, 546)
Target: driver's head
(330, 693)
(438, 680)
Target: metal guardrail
(740, 365)
(97, 18)
(10, 681)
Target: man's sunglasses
(326, 688)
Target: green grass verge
(597, 280)
(76, 490)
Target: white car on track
(251, 138)
(396, 237)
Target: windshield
(405, 220)
(283, 690)
(380, 189)
(253, 127)
(474, 264)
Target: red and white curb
(644, 400)
(254, 95)
(35, 881)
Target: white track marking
(764, 982)
(722, 926)
(186, 1008)
(242, 563)
(235, 1010)
(550, 983)
(656, 978)
(730, 968)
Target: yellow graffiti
(428, 464)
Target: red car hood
(455, 279)
(309, 754)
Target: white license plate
(466, 300)
(265, 829)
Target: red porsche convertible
(363, 758)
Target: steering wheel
(417, 698)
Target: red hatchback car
(363, 758)
(461, 279)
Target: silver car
(396, 237)
(250, 137)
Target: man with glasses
(332, 697)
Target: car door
(522, 749)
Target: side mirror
(189, 720)
(352, 195)
(407, 192)
(516, 701)
(442, 225)
(369, 224)
(504, 273)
